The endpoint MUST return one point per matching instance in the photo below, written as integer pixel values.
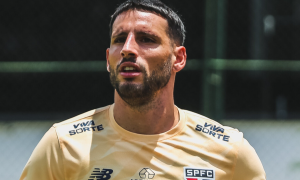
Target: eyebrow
(119, 34)
(147, 33)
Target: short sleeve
(248, 165)
(46, 160)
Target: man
(143, 135)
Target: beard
(137, 95)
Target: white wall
(18, 139)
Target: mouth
(129, 70)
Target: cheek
(114, 56)
(158, 59)
(114, 51)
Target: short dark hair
(176, 29)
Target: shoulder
(46, 160)
(212, 129)
(84, 116)
(245, 161)
(49, 161)
(248, 165)
(88, 121)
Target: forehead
(135, 20)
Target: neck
(158, 116)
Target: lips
(129, 70)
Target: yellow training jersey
(92, 146)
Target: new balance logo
(105, 174)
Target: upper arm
(46, 160)
(248, 165)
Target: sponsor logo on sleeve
(213, 130)
(85, 127)
(198, 174)
(97, 174)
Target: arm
(46, 160)
(248, 165)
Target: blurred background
(243, 70)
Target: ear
(180, 61)
(107, 61)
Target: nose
(130, 47)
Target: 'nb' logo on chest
(105, 174)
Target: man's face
(140, 56)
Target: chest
(167, 160)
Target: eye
(119, 40)
(147, 40)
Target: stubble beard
(142, 94)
